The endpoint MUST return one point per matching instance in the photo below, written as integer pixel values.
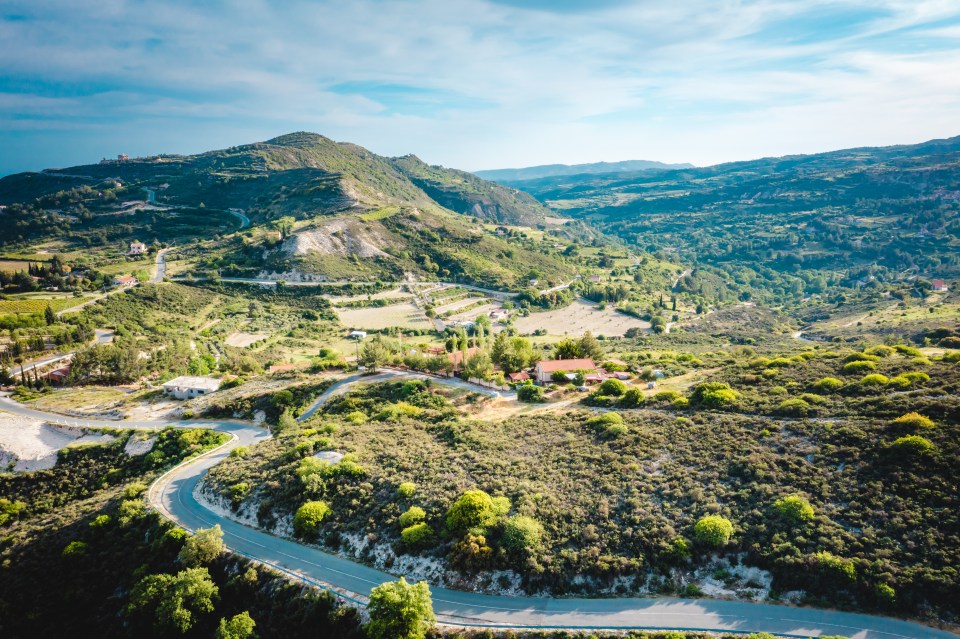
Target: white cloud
(695, 81)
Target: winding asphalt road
(173, 496)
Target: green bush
(399, 610)
(473, 509)
(413, 515)
(853, 368)
(916, 376)
(74, 549)
(881, 351)
(713, 530)
(715, 395)
(794, 508)
(778, 390)
(874, 380)
(903, 349)
(794, 406)
(522, 534)
(900, 382)
(613, 387)
(914, 420)
(418, 535)
(633, 398)
(681, 403)
(610, 424)
(835, 566)
(913, 445)
(407, 489)
(307, 519)
(529, 393)
(667, 396)
(861, 357)
(827, 385)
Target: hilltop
(313, 205)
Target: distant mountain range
(552, 170)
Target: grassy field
(578, 318)
(90, 397)
(30, 303)
(12, 266)
(406, 315)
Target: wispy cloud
(477, 84)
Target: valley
(701, 399)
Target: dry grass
(406, 315)
(578, 318)
(242, 340)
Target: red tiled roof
(551, 365)
(457, 357)
(518, 377)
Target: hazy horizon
(477, 84)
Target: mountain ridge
(557, 170)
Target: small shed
(357, 335)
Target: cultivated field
(382, 295)
(406, 315)
(578, 318)
(242, 340)
(30, 303)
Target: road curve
(173, 496)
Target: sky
(476, 84)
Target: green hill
(784, 229)
(342, 212)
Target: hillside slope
(787, 228)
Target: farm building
(137, 248)
(124, 280)
(187, 387)
(545, 368)
(939, 285)
(358, 335)
(518, 377)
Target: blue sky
(476, 84)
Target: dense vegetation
(82, 556)
(781, 230)
(743, 451)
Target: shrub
(852, 368)
(914, 420)
(900, 382)
(920, 361)
(613, 387)
(713, 530)
(240, 452)
(632, 398)
(473, 509)
(74, 549)
(794, 508)
(407, 489)
(885, 594)
(874, 380)
(916, 376)
(951, 357)
(778, 390)
(913, 445)
(307, 519)
(667, 396)
(100, 521)
(559, 377)
(522, 534)
(413, 515)
(610, 424)
(827, 385)
(903, 349)
(419, 535)
(356, 417)
(529, 393)
(881, 351)
(237, 627)
(681, 403)
(837, 566)
(780, 362)
(203, 547)
(399, 610)
(715, 395)
(861, 357)
(949, 342)
(794, 406)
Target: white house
(137, 248)
(358, 335)
(124, 280)
(187, 387)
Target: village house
(457, 358)
(188, 387)
(137, 248)
(544, 369)
(522, 376)
(594, 278)
(939, 285)
(124, 280)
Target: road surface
(237, 213)
(173, 496)
(161, 262)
